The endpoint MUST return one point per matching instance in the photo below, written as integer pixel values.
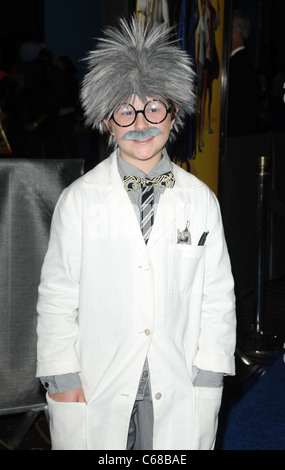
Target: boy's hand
(76, 396)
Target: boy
(136, 320)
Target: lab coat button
(147, 332)
(158, 395)
(147, 267)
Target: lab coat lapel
(170, 206)
(115, 199)
(118, 204)
(172, 202)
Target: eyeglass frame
(137, 111)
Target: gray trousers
(141, 422)
(141, 426)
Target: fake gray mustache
(146, 134)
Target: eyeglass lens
(155, 111)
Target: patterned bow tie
(132, 182)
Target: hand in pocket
(76, 396)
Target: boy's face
(144, 154)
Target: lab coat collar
(114, 197)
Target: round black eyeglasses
(154, 111)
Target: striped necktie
(147, 196)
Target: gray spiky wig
(129, 60)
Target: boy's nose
(141, 122)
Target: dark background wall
(70, 26)
(66, 27)
(267, 39)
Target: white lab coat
(106, 301)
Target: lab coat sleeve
(218, 319)
(59, 291)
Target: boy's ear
(109, 126)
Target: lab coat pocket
(207, 406)
(186, 262)
(67, 425)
